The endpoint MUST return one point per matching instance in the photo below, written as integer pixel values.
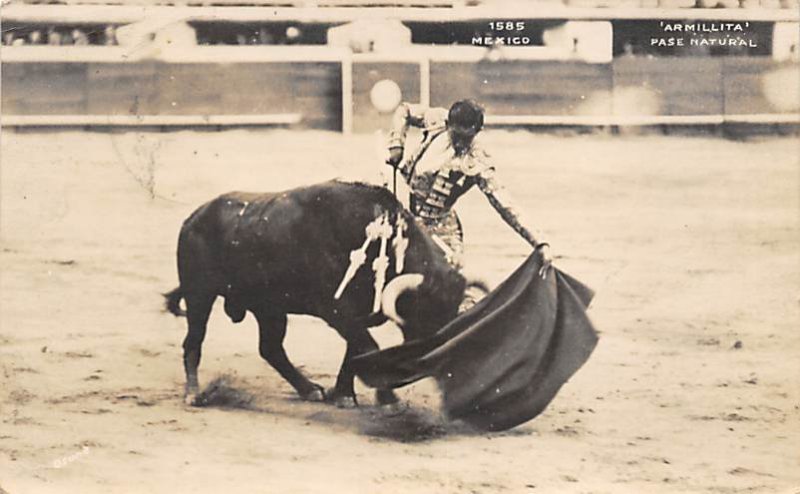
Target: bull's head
(420, 305)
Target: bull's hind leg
(198, 308)
(271, 332)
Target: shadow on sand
(406, 423)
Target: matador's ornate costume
(438, 176)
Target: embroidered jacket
(438, 177)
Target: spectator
(35, 37)
(264, 37)
(79, 37)
(53, 36)
(66, 39)
(110, 35)
(628, 50)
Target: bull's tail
(172, 302)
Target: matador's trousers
(449, 235)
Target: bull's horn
(393, 290)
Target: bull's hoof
(393, 409)
(316, 394)
(386, 397)
(190, 393)
(348, 402)
(341, 400)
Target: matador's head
(464, 121)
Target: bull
(275, 254)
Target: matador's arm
(406, 116)
(501, 201)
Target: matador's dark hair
(466, 114)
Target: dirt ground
(691, 244)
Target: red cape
(500, 363)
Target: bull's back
(296, 242)
(305, 234)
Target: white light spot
(385, 95)
(292, 32)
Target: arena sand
(691, 244)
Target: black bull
(285, 253)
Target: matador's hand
(542, 250)
(395, 156)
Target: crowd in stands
(107, 36)
(264, 34)
(59, 35)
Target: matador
(448, 162)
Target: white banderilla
(380, 228)
(400, 244)
(381, 263)
(359, 256)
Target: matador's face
(462, 137)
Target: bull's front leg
(343, 395)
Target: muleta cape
(500, 363)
